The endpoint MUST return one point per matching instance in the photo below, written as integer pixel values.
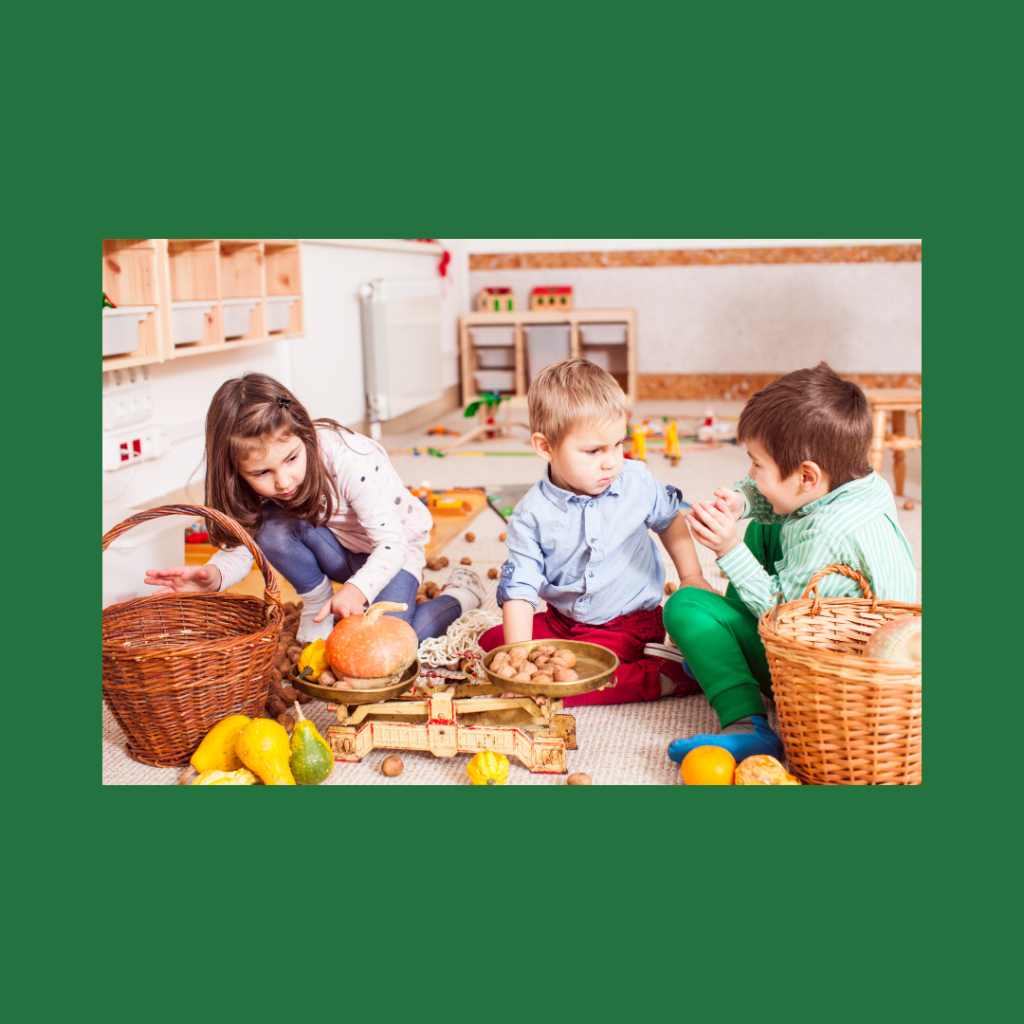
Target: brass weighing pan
(595, 666)
(340, 695)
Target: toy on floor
(558, 297)
(672, 443)
(712, 429)
(639, 445)
(442, 431)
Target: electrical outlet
(127, 397)
(127, 447)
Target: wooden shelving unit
(208, 274)
(518, 319)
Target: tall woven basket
(845, 720)
(175, 665)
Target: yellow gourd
(263, 747)
(242, 777)
(217, 751)
(313, 660)
(488, 769)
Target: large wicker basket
(175, 665)
(845, 720)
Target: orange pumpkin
(372, 650)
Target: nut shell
(579, 779)
(392, 766)
(492, 574)
(466, 561)
(471, 537)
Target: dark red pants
(637, 678)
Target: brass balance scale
(465, 718)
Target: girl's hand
(347, 601)
(731, 503)
(183, 579)
(714, 528)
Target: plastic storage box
(495, 380)
(603, 334)
(188, 320)
(237, 316)
(154, 545)
(277, 311)
(121, 328)
(545, 343)
(492, 337)
(495, 358)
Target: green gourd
(312, 759)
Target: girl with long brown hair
(323, 503)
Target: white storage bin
(496, 380)
(157, 544)
(188, 320)
(121, 328)
(237, 316)
(492, 337)
(609, 357)
(277, 311)
(603, 334)
(491, 358)
(545, 343)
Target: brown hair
(811, 415)
(569, 392)
(244, 414)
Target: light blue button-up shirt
(591, 557)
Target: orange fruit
(708, 766)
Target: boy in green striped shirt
(814, 501)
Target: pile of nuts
(544, 664)
(282, 694)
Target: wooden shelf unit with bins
(204, 288)
(519, 319)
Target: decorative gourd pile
(239, 751)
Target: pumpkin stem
(375, 611)
(301, 717)
(491, 782)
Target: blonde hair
(570, 392)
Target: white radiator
(401, 346)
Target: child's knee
(688, 611)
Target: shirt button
(591, 575)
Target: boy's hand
(715, 529)
(732, 503)
(347, 601)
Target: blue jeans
(305, 554)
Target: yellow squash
(263, 747)
(488, 769)
(217, 751)
(242, 777)
(313, 660)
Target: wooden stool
(898, 402)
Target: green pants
(718, 636)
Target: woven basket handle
(272, 593)
(843, 570)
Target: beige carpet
(618, 745)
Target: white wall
(324, 368)
(496, 245)
(755, 318)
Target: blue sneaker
(741, 745)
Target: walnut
(565, 675)
(543, 677)
(466, 561)
(523, 677)
(326, 678)
(670, 588)
(501, 536)
(492, 574)
(442, 562)
(471, 537)
(565, 656)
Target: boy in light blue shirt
(580, 539)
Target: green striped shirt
(853, 525)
